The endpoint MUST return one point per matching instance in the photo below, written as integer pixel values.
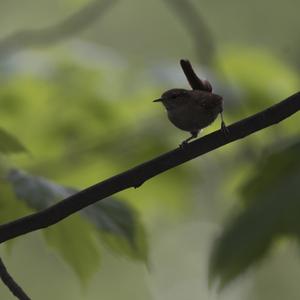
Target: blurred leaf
(119, 227)
(272, 209)
(122, 246)
(37, 192)
(112, 216)
(10, 208)
(116, 221)
(9, 143)
(261, 77)
(75, 240)
(271, 170)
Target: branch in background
(11, 284)
(196, 26)
(137, 176)
(40, 37)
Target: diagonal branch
(141, 173)
(77, 22)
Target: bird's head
(174, 98)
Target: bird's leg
(194, 134)
(223, 126)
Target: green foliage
(84, 122)
(84, 113)
(77, 123)
(119, 227)
(75, 241)
(271, 210)
(260, 78)
(37, 192)
(10, 207)
(114, 222)
(9, 143)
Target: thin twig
(11, 284)
(137, 176)
(40, 37)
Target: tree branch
(11, 284)
(41, 37)
(141, 173)
(196, 26)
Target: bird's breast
(191, 118)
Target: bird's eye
(174, 96)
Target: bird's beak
(157, 100)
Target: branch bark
(135, 177)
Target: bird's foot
(224, 129)
(223, 126)
(185, 142)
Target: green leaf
(272, 210)
(112, 216)
(271, 170)
(10, 207)
(116, 222)
(259, 76)
(121, 245)
(36, 191)
(119, 227)
(75, 240)
(9, 143)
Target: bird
(192, 110)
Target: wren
(192, 110)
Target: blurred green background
(77, 80)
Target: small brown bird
(192, 110)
